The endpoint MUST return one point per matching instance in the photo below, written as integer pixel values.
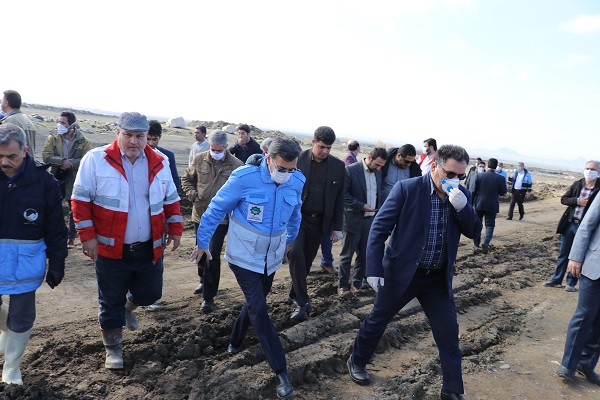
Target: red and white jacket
(100, 200)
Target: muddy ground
(512, 328)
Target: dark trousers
(566, 242)
(517, 197)
(72, 231)
(301, 255)
(326, 249)
(254, 312)
(432, 292)
(210, 271)
(134, 274)
(354, 242)
(490, 224)
(582, 345)
(21, 312)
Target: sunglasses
(452, 175)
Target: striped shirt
(585, 193)
(436, 253)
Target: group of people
(271, 200)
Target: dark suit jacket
(488, 187)
(355, 196)
(171, 156)
(334, 192)
(406, 214)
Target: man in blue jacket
(520, 186)
(263, 202)
(419, 264)
(32, 229)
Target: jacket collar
(113, 156)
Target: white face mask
(448, 184)
(280, 177)
(425, 150)
(217, 156)
(519, 169)
(590, 175)
(481, 169)
(62, 129)
(498, 169)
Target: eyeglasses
(284, 170)
(452, 175)
(407, 161)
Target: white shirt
(519, 181)
(198, 148)
(138, 228)
(371, 188)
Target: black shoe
(199, 289)
(551, 283)
(485, 248)
(300, 312)
(207, 306)
(566, 373)
(284, 387)
(520, 217)
(451, 396)
(234, 349)
(509, 218)
(292, 301)
(358, 374)
(589, 374)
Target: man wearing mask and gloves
(426, 158)
(263, 202)
(578, 199)
(201, 181)
(64, 150)
(421, 264)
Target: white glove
(375, 282)
(197, 254)
(457, 199)
(335, 236)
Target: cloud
(523, 75)
(457, 3)
(583, 24)
(497, 71)
(575, 60)
(458, 42)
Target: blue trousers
(490, 224)
(326, 249)
(583, 335)
(254, 312)
(134, 276)
(431, 291)
(566, 242)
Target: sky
(483, 74)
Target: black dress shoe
(300, 312)
(358, 374)
(589, 374)
(520, 217)
(234, 349)
(208, 305)
(451, 396)
(284, 387)
(485, 248)
(199, 289)
(566, 373)
(509, 218)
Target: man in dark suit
(362, 198)
(489, 186)
(154, 135)
(419, 263)
(322, 211)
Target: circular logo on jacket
(30, 214)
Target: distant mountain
(507, 155)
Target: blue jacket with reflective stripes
(32, 228)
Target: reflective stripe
(251, 229)
(21, 241)
(21, 282)
(156, 207)
(105, 240)
(80, 192)
(174, 218)
(172, 196)
(84, 224)
(157, 243)
(107, 201)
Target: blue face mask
(519, 169)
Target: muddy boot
(131, 320)
(13, 353)
(3, 328)
(113, 343)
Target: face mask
(481, 169)
(62, 129)
(217, 156)
(590, 175)
(280, 177)
(519, 169)
(498, 169)
(448, 184)
(425, 150)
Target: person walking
(520, 187)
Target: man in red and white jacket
(426, 158)
(124, 201)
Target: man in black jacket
(399, 165)
(245, 146)
(577, 198)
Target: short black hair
(324, 134)
(353, 145)
(407, 150)
(492, 163)
(431, 142)
(243, 127)
(155, 129)
(285, 147)
(449, 151)
(70, 117)
(202, 129)
(13, 98)
(378, 152)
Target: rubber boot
(131, 320)
(3, 328)
(13, 353)
(113, 343)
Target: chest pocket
(255, 206)
(289, 204)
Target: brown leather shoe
(330, 269)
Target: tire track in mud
(179, 353)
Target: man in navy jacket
(426, 216)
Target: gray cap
(133, 122)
